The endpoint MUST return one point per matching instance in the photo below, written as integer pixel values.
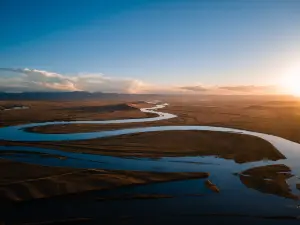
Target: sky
(148, 46)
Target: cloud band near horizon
(26, 80)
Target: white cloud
(196, 88)
(22, 80)
(99, 82)
(39, 80)
(35, 80)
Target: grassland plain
(278, 116)
(21, 181)
(274, 115)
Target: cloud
(99, 82)
(197, 88)
(233, 90)
(39, 80)
(251, 89)
(25, 80)
(35, 80)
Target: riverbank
(21, 181)
(43, 111)
(270, 179)
(273, 115)
(241, 148)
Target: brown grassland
(269, 179)
(273, 115)
(42, 111)
(278, 116)
(20, 181)
(241, 148)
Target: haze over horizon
(158, 46)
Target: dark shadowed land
(269, 180)
(20, 181)
(132, 197)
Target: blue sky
(162, 42)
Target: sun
(291, 84)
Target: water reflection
(221, 170)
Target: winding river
(220, 169)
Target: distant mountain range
(77, 95)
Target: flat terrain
(42, 111)
(74, 196)
(241, 148)
(269, 179)
(278, 116)
(274, 115)
(20, 181)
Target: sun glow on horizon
(291, 84)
